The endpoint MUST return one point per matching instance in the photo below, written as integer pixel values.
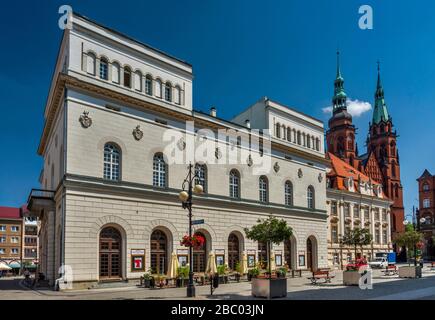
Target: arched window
(158, 88)
(138, 81)
(234, 184)
(159, 171)
(289, 134)
(127, 77)
(115, 72)
(393, 169)
(233, 251)
(201, 175)
(112, 162)
(284, 131)
(159, 252)
(396, 191)
(104, 67)
(90, 64)
(263, 189)
(425, 187)
(149, 85)
(304, 140)
(177, 95)
(168, 92)
(393, 149)
(294, 135)
(310, 197)
(317, 144)
(288, 193)
(299, 137)
(308, 141)
(312, 143)
(110, 253)
(278, 130)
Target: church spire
(380, 112)
(339, 98)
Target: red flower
(196, 241)
(420, 245)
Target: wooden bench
(321, 274)
(390, 270)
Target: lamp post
(186, 199)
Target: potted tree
(147, 279)
(222, 272)
(270, 231)
(253, 273)
(410, 239)
(357, 237)
(183, 275)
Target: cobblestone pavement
(385, 288)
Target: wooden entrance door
(159, 252)
(309, 254)
(288, 253)
(110, 253)
(199, 257)
(233, 251)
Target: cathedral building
(380, 163)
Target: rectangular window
(377, 214)
(334, 208)
(2, 239)
(347, 210)
(426, 203)
(366, 214)
(336, 259)
(356, 211)
(2, 251)
(15, 228)
(15, 240)
(14, 251)
(3, 228)
(377, 236)
(385, 236)
(384, 215)
(334, 233)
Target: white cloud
(355, 107)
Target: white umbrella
(4, 267)
(244, 265)
(211, 264)
(173, 266)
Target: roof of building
(10, 213)
(342, 170)
(426, 174)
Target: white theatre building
(109, 190)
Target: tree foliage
(271, 230)
(357, 237)
(408, 239)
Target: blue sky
(240, 51)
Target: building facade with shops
(426, 213)
(117, 113)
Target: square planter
(269, 288)
(410, 272)
(351, 278)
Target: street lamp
(186, 198)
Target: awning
(15, 265)
(4, 267)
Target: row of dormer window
(135, 80)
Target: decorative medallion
(249, 161)
(276, 167)
(348, 221)
(385, 224)
(367, 223)
(137, 133)
(300, 173)
(320, 177)
(181, 144)
(218, 153)
(85, 120)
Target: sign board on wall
(137, 260)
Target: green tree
(409, 239)
(357, 237)
(270, 231)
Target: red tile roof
(10, 213)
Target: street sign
(195, 222)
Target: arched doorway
(159, 252)
(110, 253)
(311, 253)
(200, 256)
(290, 252)
(262, 253)
(233, 251)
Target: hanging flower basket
(196, 241)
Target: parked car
(379, 262)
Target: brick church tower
(340, 137)
(381, 142)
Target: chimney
(247, 123)
(213, 112)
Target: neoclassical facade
(118, 117)
(355, 201)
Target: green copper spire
(339, 98)
(380, 112)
